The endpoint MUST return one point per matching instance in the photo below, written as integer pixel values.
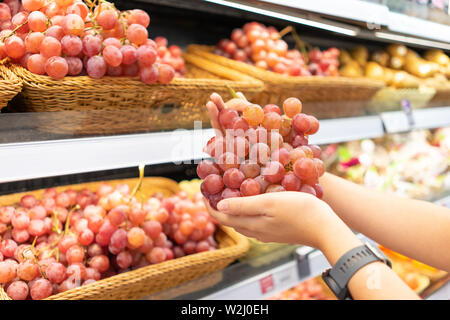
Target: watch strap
(348, 265)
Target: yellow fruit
(344, 57)
(396, 62)
(437, 56)
(351, 69)
(360, 54)
(397, 50)
(374, 71)
(381, 57)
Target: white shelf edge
(428, 118)
(32, 160)
(404, 28)
(284, 277)
(349, 9)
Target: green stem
(66, 227)
(14, 31)
(139, 184)
(285, 31)
(232, 92)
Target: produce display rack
(349, 18)
(70, 156)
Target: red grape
(18, 290)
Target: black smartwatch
(339, 275)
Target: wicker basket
(323, 97)
(389, 99)
(148, 280)
(442, 96)
(117, 105)
(10, 85)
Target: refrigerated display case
(39, 150)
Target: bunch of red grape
(62, 38)
(263, 47)
(74, 238)
(262, 151)
(170, 55)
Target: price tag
(266, 284)
(397, 121)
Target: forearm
(373, 281)
(417, 229)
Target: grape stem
(298, 42)
(139, 184)
(232, 92)
(285, 31)
(66, 227)
(55, 223)
(14, 31)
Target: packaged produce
(413, 165)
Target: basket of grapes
(92, 69)
(105, 241)
(259, 51)
(10, 85)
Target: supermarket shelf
(400, 121)
(70, 156)
(377, 15)
(347, 129)
(309, 263)
(348, 9)
(60, 157)
(31, 160)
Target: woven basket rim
(272, 77)
(240, 247)
(33, 80)
(7, 77)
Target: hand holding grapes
(286, 217)
(258, 150)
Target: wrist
(336, 240)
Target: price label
(266, 284)
(396, 121)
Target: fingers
(248, 223)
(218, 101)
(214, 116)
(246, 206)
(237, 104)
(241, 96)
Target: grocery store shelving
(309, 263)
(400, 121)
(381, 23)
(306, 263)
(30, 160)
